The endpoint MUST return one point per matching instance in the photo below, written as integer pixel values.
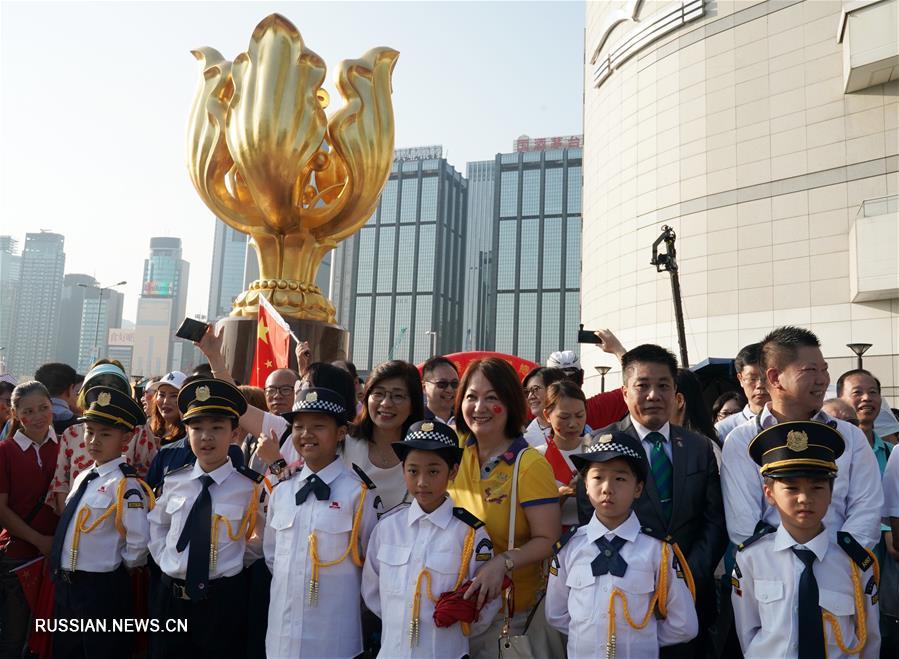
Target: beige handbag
(515, 647)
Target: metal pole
(97, 329)
(668, 263)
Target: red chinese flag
(272, 343)
(39, 592)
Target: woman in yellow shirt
(490, 416)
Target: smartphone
(192, 330)
(587, 336)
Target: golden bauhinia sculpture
(268, 162)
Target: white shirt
(891, 486)
(728, 423)
(643, 431)
(857, 494)
(26, 443)
(332, 627)
(232, 494)
(569, 506)
(535, 434)
(390, 484)
(401, 546)
(577, 603)
(103, 549)
(766, 601)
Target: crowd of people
(432, 513)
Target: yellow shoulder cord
(352, 550)
(660, 598)
(688, 575)
(244, 529)
(120, 499)
(861, 626)
(425, 575)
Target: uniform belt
(74, 576)
(178, 587)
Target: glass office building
(398, 282)
(533, 305)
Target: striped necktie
(661, 471)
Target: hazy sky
(94, 100)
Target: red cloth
(463, 359)
(272, 343)
(37, 586)
(452, 608)
(605, 409)
(26, 483)
(561, 471)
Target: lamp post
(602, 370)
(433, 335)
(668, 262)
(859, 349)
(96, 350)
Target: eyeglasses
(379, 395)
(286, 390)
(443, 384)
(534, 391)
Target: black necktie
(67, 514)
(609, 560)
(811, 628)
(315, 485)
(197, 533)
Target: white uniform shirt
(577, 603)
(766, 597)
(103, 549)
(891, 486)
(404, 543)
(232, 495)
(390, 483)
(728, 423)
(332, 627)
(857, 494)
(535, 434)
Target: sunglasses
(443, 384)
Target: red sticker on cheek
(497, 409)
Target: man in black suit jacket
(692, 512)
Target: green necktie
(661, 471)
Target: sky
(94, 99)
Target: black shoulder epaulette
(467, 517)
(128, 470)
(254, 476)
(760, 534)
(856, 551)
(658, 534)
(369, 483)
(563, 540)
(178, 470)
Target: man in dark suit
(682, 495)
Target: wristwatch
(277, 466)
(510, 564)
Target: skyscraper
(75, 289)
(398, 282)
(533, 302)
(36, 320)
(229, 259)
(10, 263)
(101, 312)
(161, 308)
(478, 243)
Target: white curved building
(765, 134)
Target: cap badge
(311, 397)
(203, 393)
(427, 427)
(104, 399)
(797, 441)
(605, 439)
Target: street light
(433, 335)
(99, 304)
(602, 370)
(859, 349)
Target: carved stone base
(328, 342)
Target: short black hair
(769, 481)
(203, 369)
(648, 353)
(548, 374)
(856, 371)
(450, 456)
(234, 422)
(781, 347)
(57, 377)
(750, 355)
(632, 463)
(431, 365)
